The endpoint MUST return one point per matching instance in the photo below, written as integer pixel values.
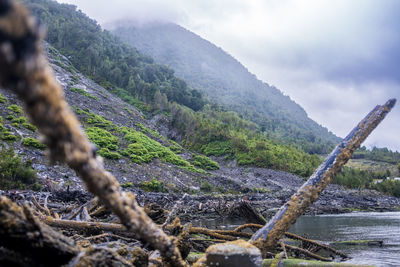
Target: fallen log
(267, 237)
(24, 235)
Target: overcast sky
(336, 58)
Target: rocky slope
(97, 108)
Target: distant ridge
(226, 81)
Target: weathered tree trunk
(267, 237)
(22, 234)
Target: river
(383, 226)
(357, 226)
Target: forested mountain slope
(210, 69)
(153, 88)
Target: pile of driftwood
(26, 234)
(90, 233)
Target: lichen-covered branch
(267, 237)
(25, 70)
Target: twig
(36, 203)
(307, 253)
(284, 249)
(171, 214)
(318, 244)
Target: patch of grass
(15, 108)
(14, 173)
(144, 149)
(218, 148)
(19, 120)
(206, 187)
(127, 185)
(7, 136)
(96, 120)
(32, 142)
(153, 185)
(150, 131)
(102, 138)
(82, 92)
(106, 153)
(2, 99)
(29, 126)
(205, 163)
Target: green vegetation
(14, 173)
(153, 185)
(206, 187)
(205, 163)
(102, 138)
(137, 80)
(220, 133)
(29, 126)
(127, 185)
(359, 179)
(96, 120)
(106, 153)
(109, 61)
(32, 142)
(5, 134)
(18, 120)
(83, 92)
(15, 109)
(142, 149)
(2, 99)
(377, 154)
(208, 68)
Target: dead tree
(267, 237)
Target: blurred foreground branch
(25, 70)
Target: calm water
(362, 225)
(352, 226)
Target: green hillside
(203, 126)
(210, 69)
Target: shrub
(205, 163)
(106, 153)
(19, 120)
(153, 186)
(15, 174)
(29, 126)
(32, 142)
(102, 138)
(83, 92)
(218, 148)
(15, 108)
(7, 136)
(2, 99)
(127, 185)
(206, 186)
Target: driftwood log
(24, 70)
(267, 237)
(22, 233)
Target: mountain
(188, 116)
(132, 128)
(226, 81)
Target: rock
(238, 253)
